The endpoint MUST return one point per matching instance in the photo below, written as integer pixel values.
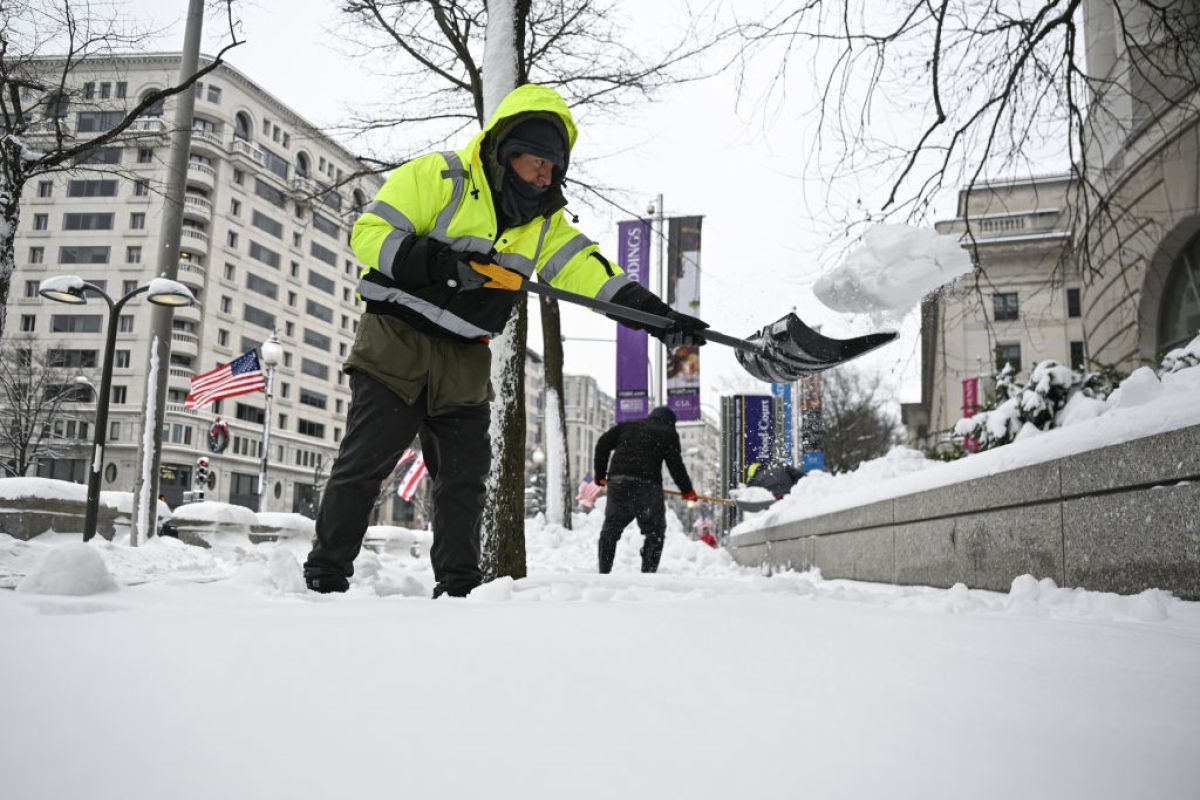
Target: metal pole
(146, 480)
(92, 512)
(266, 445)
(659, 347)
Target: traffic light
(201, 481)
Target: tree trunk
(558, 469)
(12, 180)
(504, 512)
(503, 552)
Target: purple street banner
(683, 294)
(633, 254)
(758, 429)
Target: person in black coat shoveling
(634, 480)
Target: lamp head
(164, 292)
(63, 289)
(271, 351)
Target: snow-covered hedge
(1056, 396)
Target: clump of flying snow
(73, 568)
(889, 273)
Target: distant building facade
(1022, 306)
(267, 213)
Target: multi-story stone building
(268, 208)
(1142, 236)
(1021, 307)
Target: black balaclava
(519, 201)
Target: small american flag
(408, 487)
(588, 492)
(241, 376)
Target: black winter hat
(662, 414)
(538, 137)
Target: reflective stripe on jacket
(447, 197)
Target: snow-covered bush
(1054, 394)
(1182, 357)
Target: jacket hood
(662, 415)
(519, 104)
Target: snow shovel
(781, 352)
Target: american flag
(408, 487)
(588, 492)
(241, 376)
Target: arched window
(1179, 316)
(302, 164)
(242, 126)
(155, 109)
(57, 105)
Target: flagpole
(272, 353)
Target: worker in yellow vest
(420, 361)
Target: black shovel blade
(790, 350)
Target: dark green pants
(379, 427)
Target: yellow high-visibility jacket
(448, 197)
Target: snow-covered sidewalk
(210, 674)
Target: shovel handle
(705, 497)
(635, 315)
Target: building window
(235, 207)
(315, 309)
(87, 222)
(37, 255)
(256, 316)
(31, 288)
(45, 188)
(230, 271)
(291, 300)
(92, 188)
(265, 223)
(141, 187)
(262, 286)
(41, 222)
(214, 94)
(121, 359)
(145, 155)
(83, 255)
(231, 240)
(1077, 357)
(226, 305)
(248, 413)
(223, 338)
(321, 282)
(89, 91)
(125, 323)
(295, 269)
(314, 368)
(284, 389)
(133, 254)
(119, 395)
(1074, 305)
(317, 340)
(264, 254)
(307, 427)
(100, 155)
(239, 177)
(122, 88)
(314, 399)
(323, 254)
(1004, 307)
(28, 323)
(1008, 354)
(289, 328)
(127, 287)
(137, 221)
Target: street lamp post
(72, 290)
(272, 353)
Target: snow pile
(889, 273)
(288, 523)
(73, 569)
(1182, 357)
(70, 284)
(216, 513)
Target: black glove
(686, 332)
(454, 269)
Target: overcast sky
(734, 158)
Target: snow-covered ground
(212, 673)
